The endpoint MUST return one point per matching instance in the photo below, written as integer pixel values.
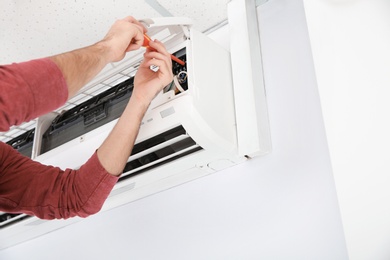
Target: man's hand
(125, 35)
(148, 83)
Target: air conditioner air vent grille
(7, 219)
(158, 150)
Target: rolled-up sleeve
(28, 90)
(49, 192)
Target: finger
(159, 46)
(160, 53)
(164, 77)
(137, 40)
(164, 69)
(131, 19)
(152, 57)
(156, 59)
(157, 55)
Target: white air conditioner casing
(206, 111)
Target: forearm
(80, 66)
(116, 149)
(48, 192)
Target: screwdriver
(146, 44)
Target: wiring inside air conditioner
(180, 78)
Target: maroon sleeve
(48, 192)
(28, 90)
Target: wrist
(142, 103)
(104, 51)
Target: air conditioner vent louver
(160, 149)
(6, 219)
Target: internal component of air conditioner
(24, 142)
(87, 116)
(179, 83)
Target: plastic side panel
(249, 91)
(210, 85)
(42, 124)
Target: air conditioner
(184, 135)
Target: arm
(116, 149)
(29, 89)
(48, 192)
(63, 194)
(82, 65)
(34, 88)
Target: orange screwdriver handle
(146, 41)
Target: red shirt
(28, 90)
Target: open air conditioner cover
(189, 130)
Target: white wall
(350, 42)
(281, 206)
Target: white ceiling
(36, 28)
(32, 29)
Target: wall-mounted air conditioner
(189, 131)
